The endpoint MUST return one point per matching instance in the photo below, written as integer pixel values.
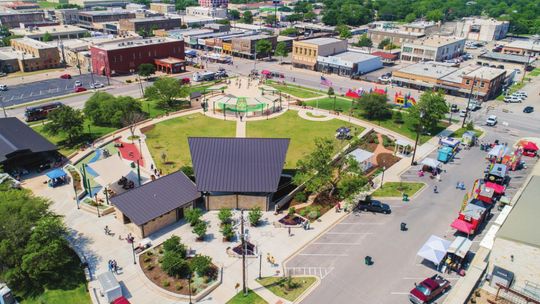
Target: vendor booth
(530, 149)
(497, 153)
(497, 174)
(457, 253)
(469, 138)
(445, 154)
(471, 217)
(57, 177)
(434, 250)
(431, 165)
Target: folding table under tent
(434, 250)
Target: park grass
(251, 298)
(327, 103)
(46, 4)
(302, 133)
(396, 189)
(60, 139)
(78, 295)
(294, 90)
(277, 285)
(170, 137)
(459, 132)
(514, 88)
(534, 72)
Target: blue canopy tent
(57, 177)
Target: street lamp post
(468, 103)
(243, 238)
(133, 251)
(417, 137)
(260, 265)
(140, 148)
(189, 286)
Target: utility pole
(525, 68)
(243, 237)
(468, 103)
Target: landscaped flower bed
(292, 220)
(168, 266)
(250, 249)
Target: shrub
(227, 231)
(398, 117)
(187, 170)
(149, 253)
(149, 267)
(291, 211)
(254, 216)
(178, 286)
(174, 264)
(200, 264)
(147, 259)
(225, 215)
(303, 211)
(200, 229)
(128, 81)
(165, 283)
(193, 216)
(173, 244)
(469, 126)
(301, 197)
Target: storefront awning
(462, 226)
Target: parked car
(3, 87)
(512, 99)
(522, 94)
(518, 96)
(65, 76)
(429, 289)
(2, 74)
(374, 206)
(80, 89)
(528, 109)
(78, 83)
(185, 80)
(491, 120)
(462, 113)
(454, 108)
(97, 85)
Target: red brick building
(120, 58)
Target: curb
(60, 97)
(311, 288)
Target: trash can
(405, 197)
(368, 260)
(403, 226)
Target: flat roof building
(102, 3)
(15, 19)
(481, 29)
(88, 18)
(348, 63)
(120, 58)
(214, 12)
(149, 24)
(162, 8)
(56, 32)
(306, 52)
(433, 48)
(244, 46)
(34, 55)
(528, 47)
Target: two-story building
(434, 48)
(306, 52)
(246, 46)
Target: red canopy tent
(499, 189)
(462, 226)
(266, 72)
(121, 300)
(530, 149)
(352, 94)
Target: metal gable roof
(16, 136)
(238, 164)
(156, 198)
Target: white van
(3, 87)
(491, 120)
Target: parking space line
(352, 233)
(350, 244)
(399, 293)
(323, 254)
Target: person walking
(435, 190)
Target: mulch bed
(291, 220)
(250, 249)
(388, 159)
(325, 202)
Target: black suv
(374, 206)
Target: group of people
(113, 266)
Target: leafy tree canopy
(428, 111)
(105, 109)
(167, 91)
(66, 120)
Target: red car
(185, 80)
(65, 76)
(429, 289)
(79, 89)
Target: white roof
(460, 246)
(110, 170)
(489, 237)
(434, 249)
(361, 155)
(107, 281)
(402, 142)
(430, 162)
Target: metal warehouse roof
(238, 164)
(156, 198)
(15, 136)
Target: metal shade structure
(434, 249)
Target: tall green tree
(146, 70)
(281, 50)
(429, 110)
(382, 45)
(234, 14)
(247, 17)
(107, 110)
(375, 106)
(270, 19)
(65, 120)
(364, 41)
(47, 37)
(167, 91)
(315, 170)
(343, 31)
(264, 47)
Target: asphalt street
(28, 92)
(338, 255)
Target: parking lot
(337, 257)
(22, 93)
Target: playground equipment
(355, 93)
(379, 91)
(404, 101)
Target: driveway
(338, 255)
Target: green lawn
(171, 136)
(301, 132)
(277, 285)
(534, 72)
(327, 103)
(78, 295)
(296, 91)
(459, 132)
(45, 4)
(405, 130)
(251, 298)
(514, 88)
(396, 189)
(60, 139)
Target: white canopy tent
(434, 249)
(111, 169)
(430, 162)
(460, 246)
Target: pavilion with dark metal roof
(20, 146)
(156, 204)
(240, 173)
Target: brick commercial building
(88, 18)
(306, 52)
(214, 3)
(434, 48)
(238, 173)
(120, 58)
(162, 8)
(149, 24)
(14, 19)
(56, 32)
(485, 82)
(34, 55)
(245, 46)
